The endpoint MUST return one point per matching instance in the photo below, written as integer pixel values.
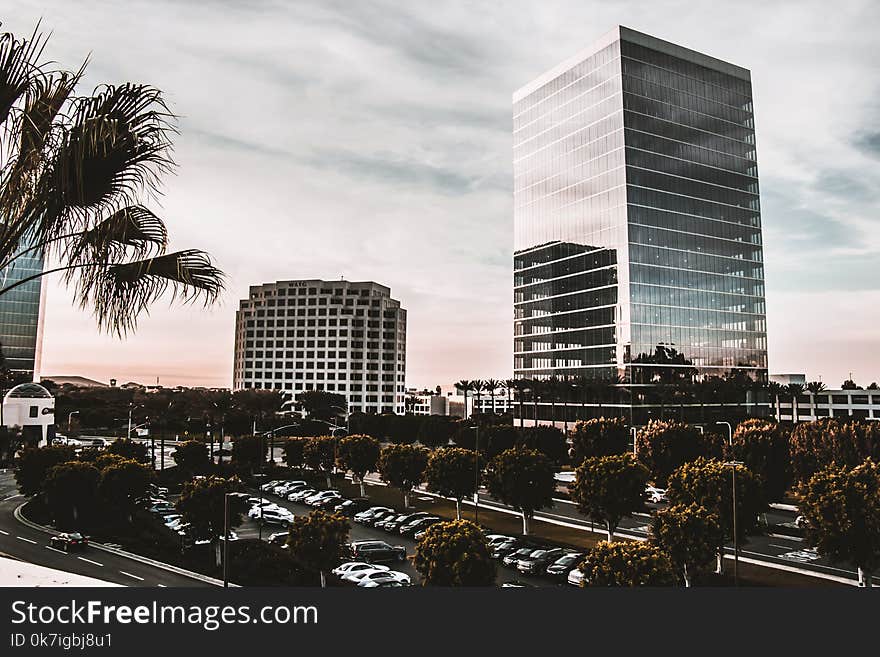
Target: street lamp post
(476, 428)
(226, 540)
(70, 420)
(733, 465)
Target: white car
(318, 496)
(257, 510)
(354, 566)
(495, 539)
(375, 579)
(359, 574)
(655, 495)
(276, 517)
(299, 496)
(575, 577)
(269, 485)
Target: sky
(371, 139)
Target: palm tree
(521, 386)
(491, 386)
(464, 385)
(477, 385)
(509, 386)
(73, 170)
(776, 389)
(814, 388)
(794, 389)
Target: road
(31, 545)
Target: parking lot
(359, 532)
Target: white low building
(841, 404)
(30, 408)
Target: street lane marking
(26, 540)
(4, 533)
(130, 575)
(90, 561)
(162, 586)
(49, 547)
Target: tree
(192, 457)
(841, 506)
(598, 437)
(763, 447)
(547, 439)
(203, 501)
(403, 466)
(323, 405)
(814, 445)
(609, 488)
(128, 449)
(463, 387)
(627, 563)
(294, 449)
(71, 490)
(849, 384)
(665, 445)
(709, 483)
(34, 464)
(249, 453)
(124, 482)
(72, 176)
(259, 563)
(523, 479)
(794, 391)
(320, 455)
(316, 542)
(452, 472)
(689, 535)
(454, 553)
(359, 454)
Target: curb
(122, 553)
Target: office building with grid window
(343, 337)
(21, 313)
(637, 243)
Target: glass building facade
(638, 256)
(21, 331)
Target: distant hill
(78, 381)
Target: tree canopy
(598, 437)
(689, 535)
(202, 503)
(763, 447)
(317, 542)
(454, 553)
(627, 563)
(841, 505)
(359, 453)
(609, 488)
(403, 466)
(523, 479)
(452, 472)
(665, 445)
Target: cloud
(372, 139)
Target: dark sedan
(560, 568)
(413, 526)
(538, 560)
(513, 558)
(377, 551)
(350, 507)
(502, 549)
(69, 541)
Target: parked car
(158, 491)
(385, 521)
(411, 527)
(376, 579)
(256, 511)
(386, 584)
(560, 568)
(269, 485)
(398, 522)
(68, 541)
(281, 517)
(655, 495)
(293, 490)
(300, 495)
(353, 566)
(495, 539)
(352, 506)
(801, 522)
(516, 584)
(377, 551)
(328, 503)
(575, 577)
(363, 516)
(513, 558)
(278, 538)
(379, 516)
(320, 495)
(538, 561)
(501, 550)
(284, 489)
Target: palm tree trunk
(363, 493)
(812, 407)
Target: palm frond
(117, 146)
(133, 232)
(18, 62)
(120, 292)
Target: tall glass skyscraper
(638, 256)
(21, 331)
